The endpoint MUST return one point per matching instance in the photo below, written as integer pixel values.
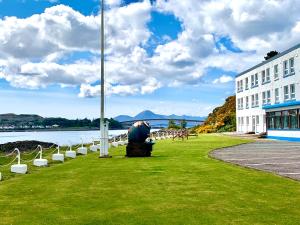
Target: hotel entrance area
(283, 122)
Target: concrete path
(280, 157)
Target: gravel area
(280, 157)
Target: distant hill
(147, 114)
(26, 122)
(222, 119)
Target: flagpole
(103, 127)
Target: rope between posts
(9, 162)
(33, 151)
(31, 159)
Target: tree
(183, 124)
(172, 125)
(271, 54)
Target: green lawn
(179, 185)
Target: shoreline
(49, 130)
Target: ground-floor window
(286, 119)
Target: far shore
(55, 129)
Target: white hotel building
(268, 96)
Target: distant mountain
(122, 118)
(147, 114)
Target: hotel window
(247, 120)
(252, 81)
(277, 120)
(246, 83)
(242, 121)
(268, 97)
(252, 101)
(264, 100)
(239, 104)
(292, 91)
(247, 102)
(268, 75)
(256, 79)
(276, 95)
(276, 72)
(241, 85)
(286, 93)
(285, 119)
(256, 100)
(263, 77)
(285, 68)
(257, 120)
(293, 119)
(242, 103)
(292, 69)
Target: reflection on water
(58, 137)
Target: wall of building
(256, 114)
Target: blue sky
(165, 56)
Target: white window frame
(256, 100)
(269, 97)
(286, 93)
(268, 78)
(247, 102)
(246, 83)
(252, 101)
(292, 65)
(292, 92)
(263, 76)
(285, 68)
(277, 95)
(256, 79)
(276, 72)
(264, 99)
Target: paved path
(280, 157)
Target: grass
(180, 184)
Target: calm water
(58, 137)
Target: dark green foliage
(271, 54)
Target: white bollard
(114, 143)
(94, 148)
(40, 162)
(18, 168)
(58, 156)
(82, 150)
(70, 153)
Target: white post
(41, 151)
(18, 156)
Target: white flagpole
(103, 128)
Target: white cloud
(223, 79)
(33, 50)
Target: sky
(168, 56)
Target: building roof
(271, 59)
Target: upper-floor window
(289, 67)
(242, 103)
(264, 99)
(252, 81)
(256, 100)
(276, 95)
(292, 69)
(240, 86)
(269, 97)
(292, 92)
(268, 75)
(256, 79)
(247, 102)
(263, 76)
(285, 68)
(286, 92)
(276, 72)
(252, 101)
(246, 83)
